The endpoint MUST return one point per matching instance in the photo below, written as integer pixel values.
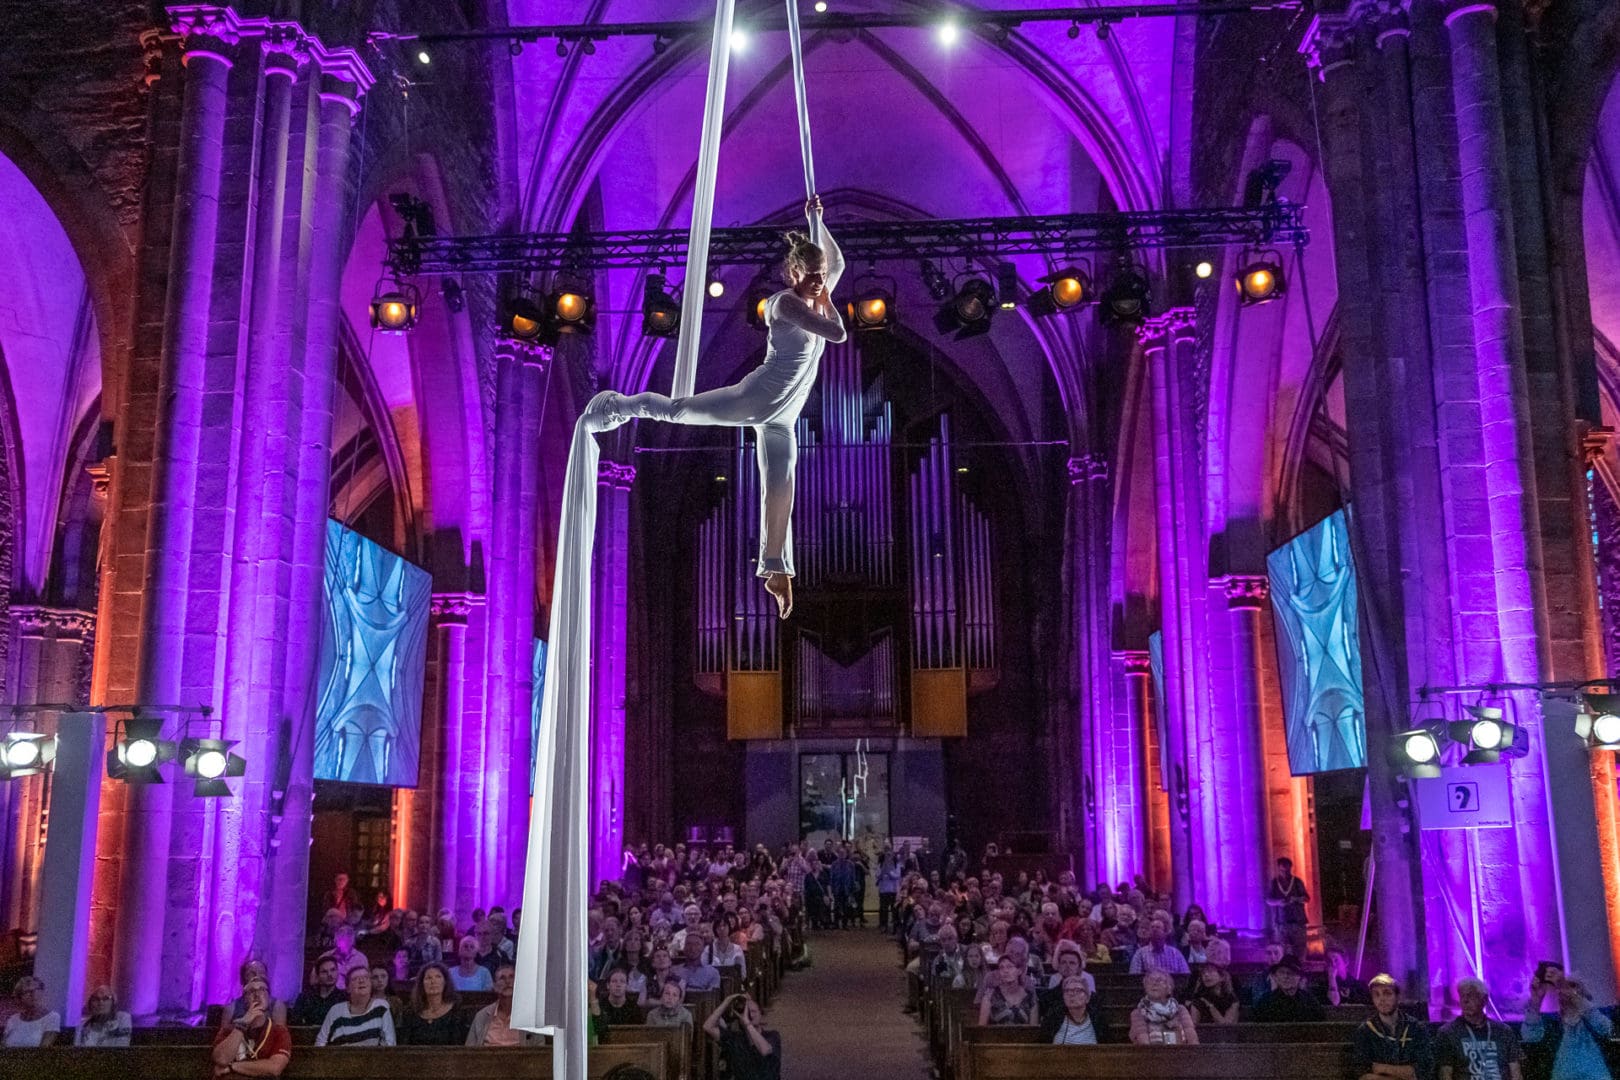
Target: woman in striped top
(360, 1021)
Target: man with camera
(751, 1052)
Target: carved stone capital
(152, 46)
(531, 353)
(1246, 592)
(1595, 443)
(100, 473)
(1457, 9)
(615, 474)
(1134, 661)
(1176, 324)
(37, 620)
(342, 71)
(1330, 42)
(1084, 467)
(454, 608)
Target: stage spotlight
(562, 47)
(1416, 753)
(1125, 302)
(1074, 30)
(968, 313)
(1204, 269)
(660, 46)
(717, 288)
(1064, 290)
(209, 762)
(1104, 28)
(1487, 735)
(523, 318)
(1006, 286)
(588, 47)
(872, 309)
(394, 306)
(821, 6)
(573, 309)
(423, 57)
(139, 751)
(759, 294)
(1599, 725)
(660, 312)
(935, 281)
(1260, 281)
(739, 40)
(949, 33)
(24, 753)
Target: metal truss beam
(1058, 236)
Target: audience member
(1262, 984)
(1195, 943)
(1390, 1043)
(748, 1050)
(32, 1024)
(341, 898)
(1156, 953)
(103, 1023)
(1158, 1018)
(723, 952)
(1074, 1024)
(1473, 1046)
(381, 984)
(604, 956)
(492, 1025)
(695, 975)
(888, 884)
(1213, 1000)
(1286, 899)
(618, 1008)
(975, 969)
(1008, 1000)
(254, 1044)
(1089, 938)
(669, 1011)
(1566, 1044)
(423, 947)
(255, 969)
(1341, 988)
(469, 976)
(1290, 1002)
(349, 958)
(311, 1006)
(432, 1019)
(360, 1020)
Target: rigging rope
(551, 986)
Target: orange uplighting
(759, 308)
(570, 307)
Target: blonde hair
(801, 251)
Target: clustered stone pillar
(502, 836)
(1134, 719)
(610, 594)
(460, 755)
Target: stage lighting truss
(1063, 290)
(395, 305)
(138, 750)
(25, 753)
(660, 311)
(873, 308)
(1055, 236)
(1260, 279)
(209, 762)
(1599, 721)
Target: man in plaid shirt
(795, 870)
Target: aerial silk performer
(551, 986)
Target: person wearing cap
(1389, 1043)
(1475, 1047)
(1289, 1002)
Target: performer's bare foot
(781, 587)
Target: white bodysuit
(767, 399)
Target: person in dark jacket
(1390, 1043)
(1075, 1024)
(1290, 1002)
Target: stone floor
(842, 1017)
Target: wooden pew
(1011, 1061)
(330, 1063)
(1336, 1032)
(677, 1050)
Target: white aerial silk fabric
(549, 996)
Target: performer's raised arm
(819, 316)
(829, 247)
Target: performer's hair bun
(801, 252)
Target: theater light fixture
(935, 281)
(873, 307)
(1064, 290)
(394, 306)
(1204, 269)
(209, 762)
(1416, 753)
(660, 312)
(1488, 736)
(1127, 299)
(717, 288)
(523, 317)
(1261, 280)
(24, 753)
(138, 751)
(1599, 724)
(573, 309)
(968, 312)
(759, 294)
(949, 33)
(739, 40)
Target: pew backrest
(1012, 1061)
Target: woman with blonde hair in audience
(995, 942)
(1158, 1018)
(1089, 939)
(469, 976)
(104, 1024)
(975, 968)
(1214, 999)
(1009, 1002)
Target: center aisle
(844, 1017)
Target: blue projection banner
(539, 673)
(1160, 715)
(1313, 598)
(368, 720)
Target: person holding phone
(751, 1052)
(1565, 1044)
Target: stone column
(609, 626)
(450, 883)
(340, 80)
(143, 892)
(503, 835)
(1183, 588)
(1133, 719)
(1109, 786)
(1241, 755)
